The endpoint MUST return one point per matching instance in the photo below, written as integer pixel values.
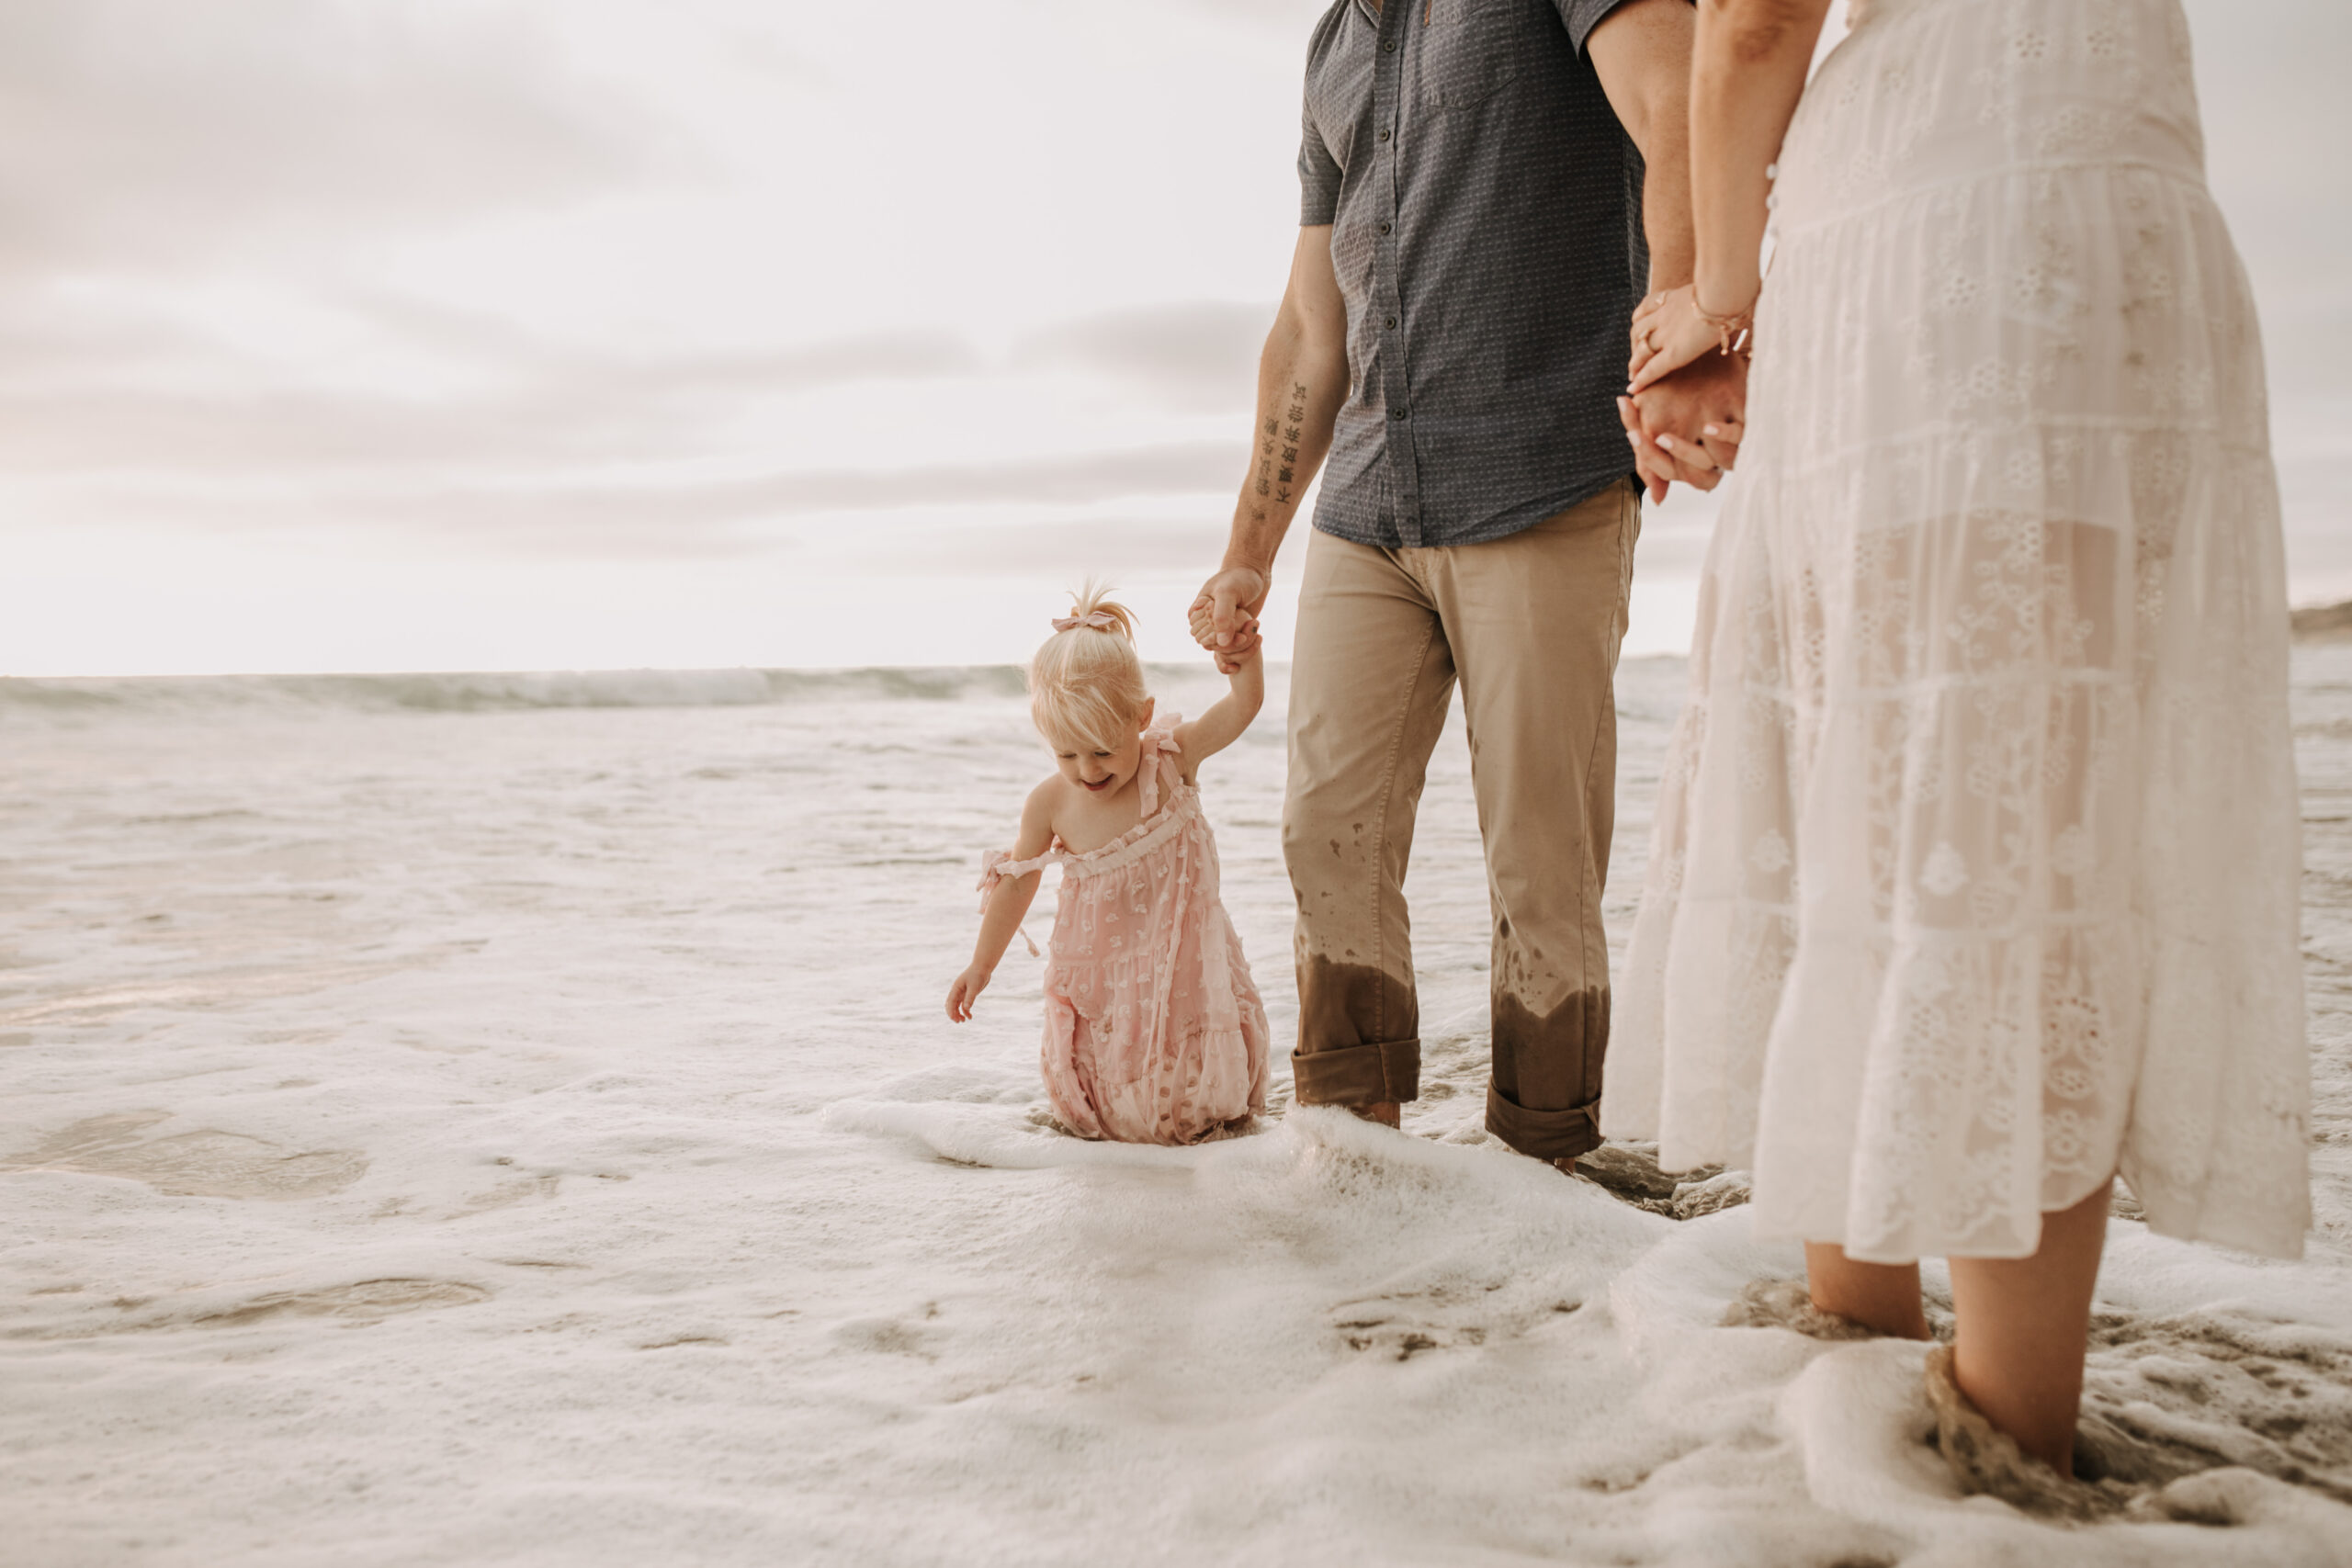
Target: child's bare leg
(1884, 1296)
(2025, 1327)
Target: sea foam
(513, 1120)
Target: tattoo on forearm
(1296, 415)
(1278, 453)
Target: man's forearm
(1302, 382)
(1642, 54)
(1666, 202)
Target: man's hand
(1689, 426)
(1223, 618)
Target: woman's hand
(1668, 333)
(1689, 426)
(966, 991)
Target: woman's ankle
(2041, 1421)
(1883, 1297)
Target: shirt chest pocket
(1468, 49)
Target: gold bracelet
(1732, 332)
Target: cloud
(1173, 468)
(1287, 16)
(1128, 546)
(1197, 355)
(169, 159)
(144, 132)
(2270, 95)
(495, 512)
(548, 448)
(99, 396)
(494, 340)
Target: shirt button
(1388, 48)
(1396, 413)
(1392, 321)
(1384, 227)
(1384, 136)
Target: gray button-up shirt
(1485, 207)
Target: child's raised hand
(1233, 660)
(966, 991)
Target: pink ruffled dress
(1154, 1031)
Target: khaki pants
(1529, 624)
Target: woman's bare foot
(1786, 1304)
(1883, 1297)
(1985, 1459)
(2024, 1325)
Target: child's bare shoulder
(1037, 811)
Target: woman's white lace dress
(1977, 856)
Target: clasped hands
(1684, 411)
(1685, 407)
(1223, 618)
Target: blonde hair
(1086, 683)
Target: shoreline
(2323, 623)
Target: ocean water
(513, 1120)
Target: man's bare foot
(1387, 1112)
(1566, 1167)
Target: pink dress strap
(1159, 751)
(998, 864)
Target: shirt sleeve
(1318, 176)
(1580, 17)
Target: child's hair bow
(1100, 620)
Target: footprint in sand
(203, 1164)
(362, 1302)
(907, 1336)
(542, 1186)
(365, 1301)
(1457, 1311)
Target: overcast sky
(559, 333)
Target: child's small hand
(966, 991)
(1232, 661)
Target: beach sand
(511, 1120)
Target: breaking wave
(23, 697)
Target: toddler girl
(1154, 1033)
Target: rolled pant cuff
(1384, 1071)
(1545, 1134)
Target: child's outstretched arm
(1008, 906)
(1202, 737)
